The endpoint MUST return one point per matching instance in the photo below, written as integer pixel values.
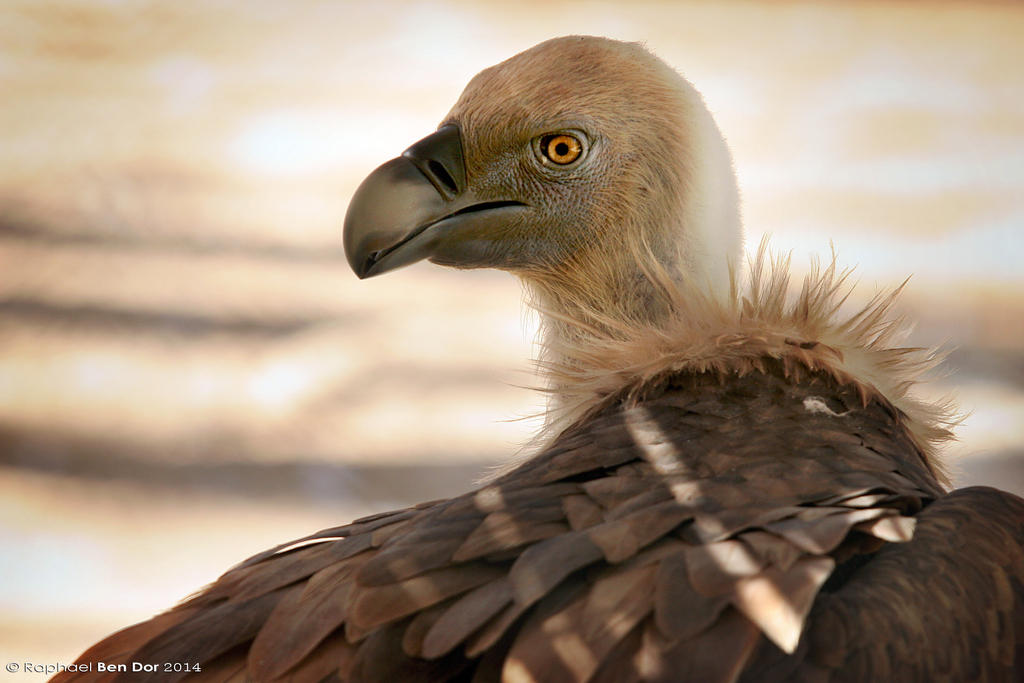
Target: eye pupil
(561, 149)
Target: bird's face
(545, 158)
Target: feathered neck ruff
(604, 359)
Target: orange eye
(561, 149)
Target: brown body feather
(684, 536)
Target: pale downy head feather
(630, 256)
(607, 359)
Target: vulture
(734, 481)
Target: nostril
(442, 177)
(439, 158)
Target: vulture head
(582, 165)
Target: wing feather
(650, 542)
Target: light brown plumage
(733, 485)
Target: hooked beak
(419, 206)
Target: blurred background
(189, 372)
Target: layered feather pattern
(681, 536)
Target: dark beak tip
(366, 268)
(361, 261)
(354, 254)
(362, 271)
